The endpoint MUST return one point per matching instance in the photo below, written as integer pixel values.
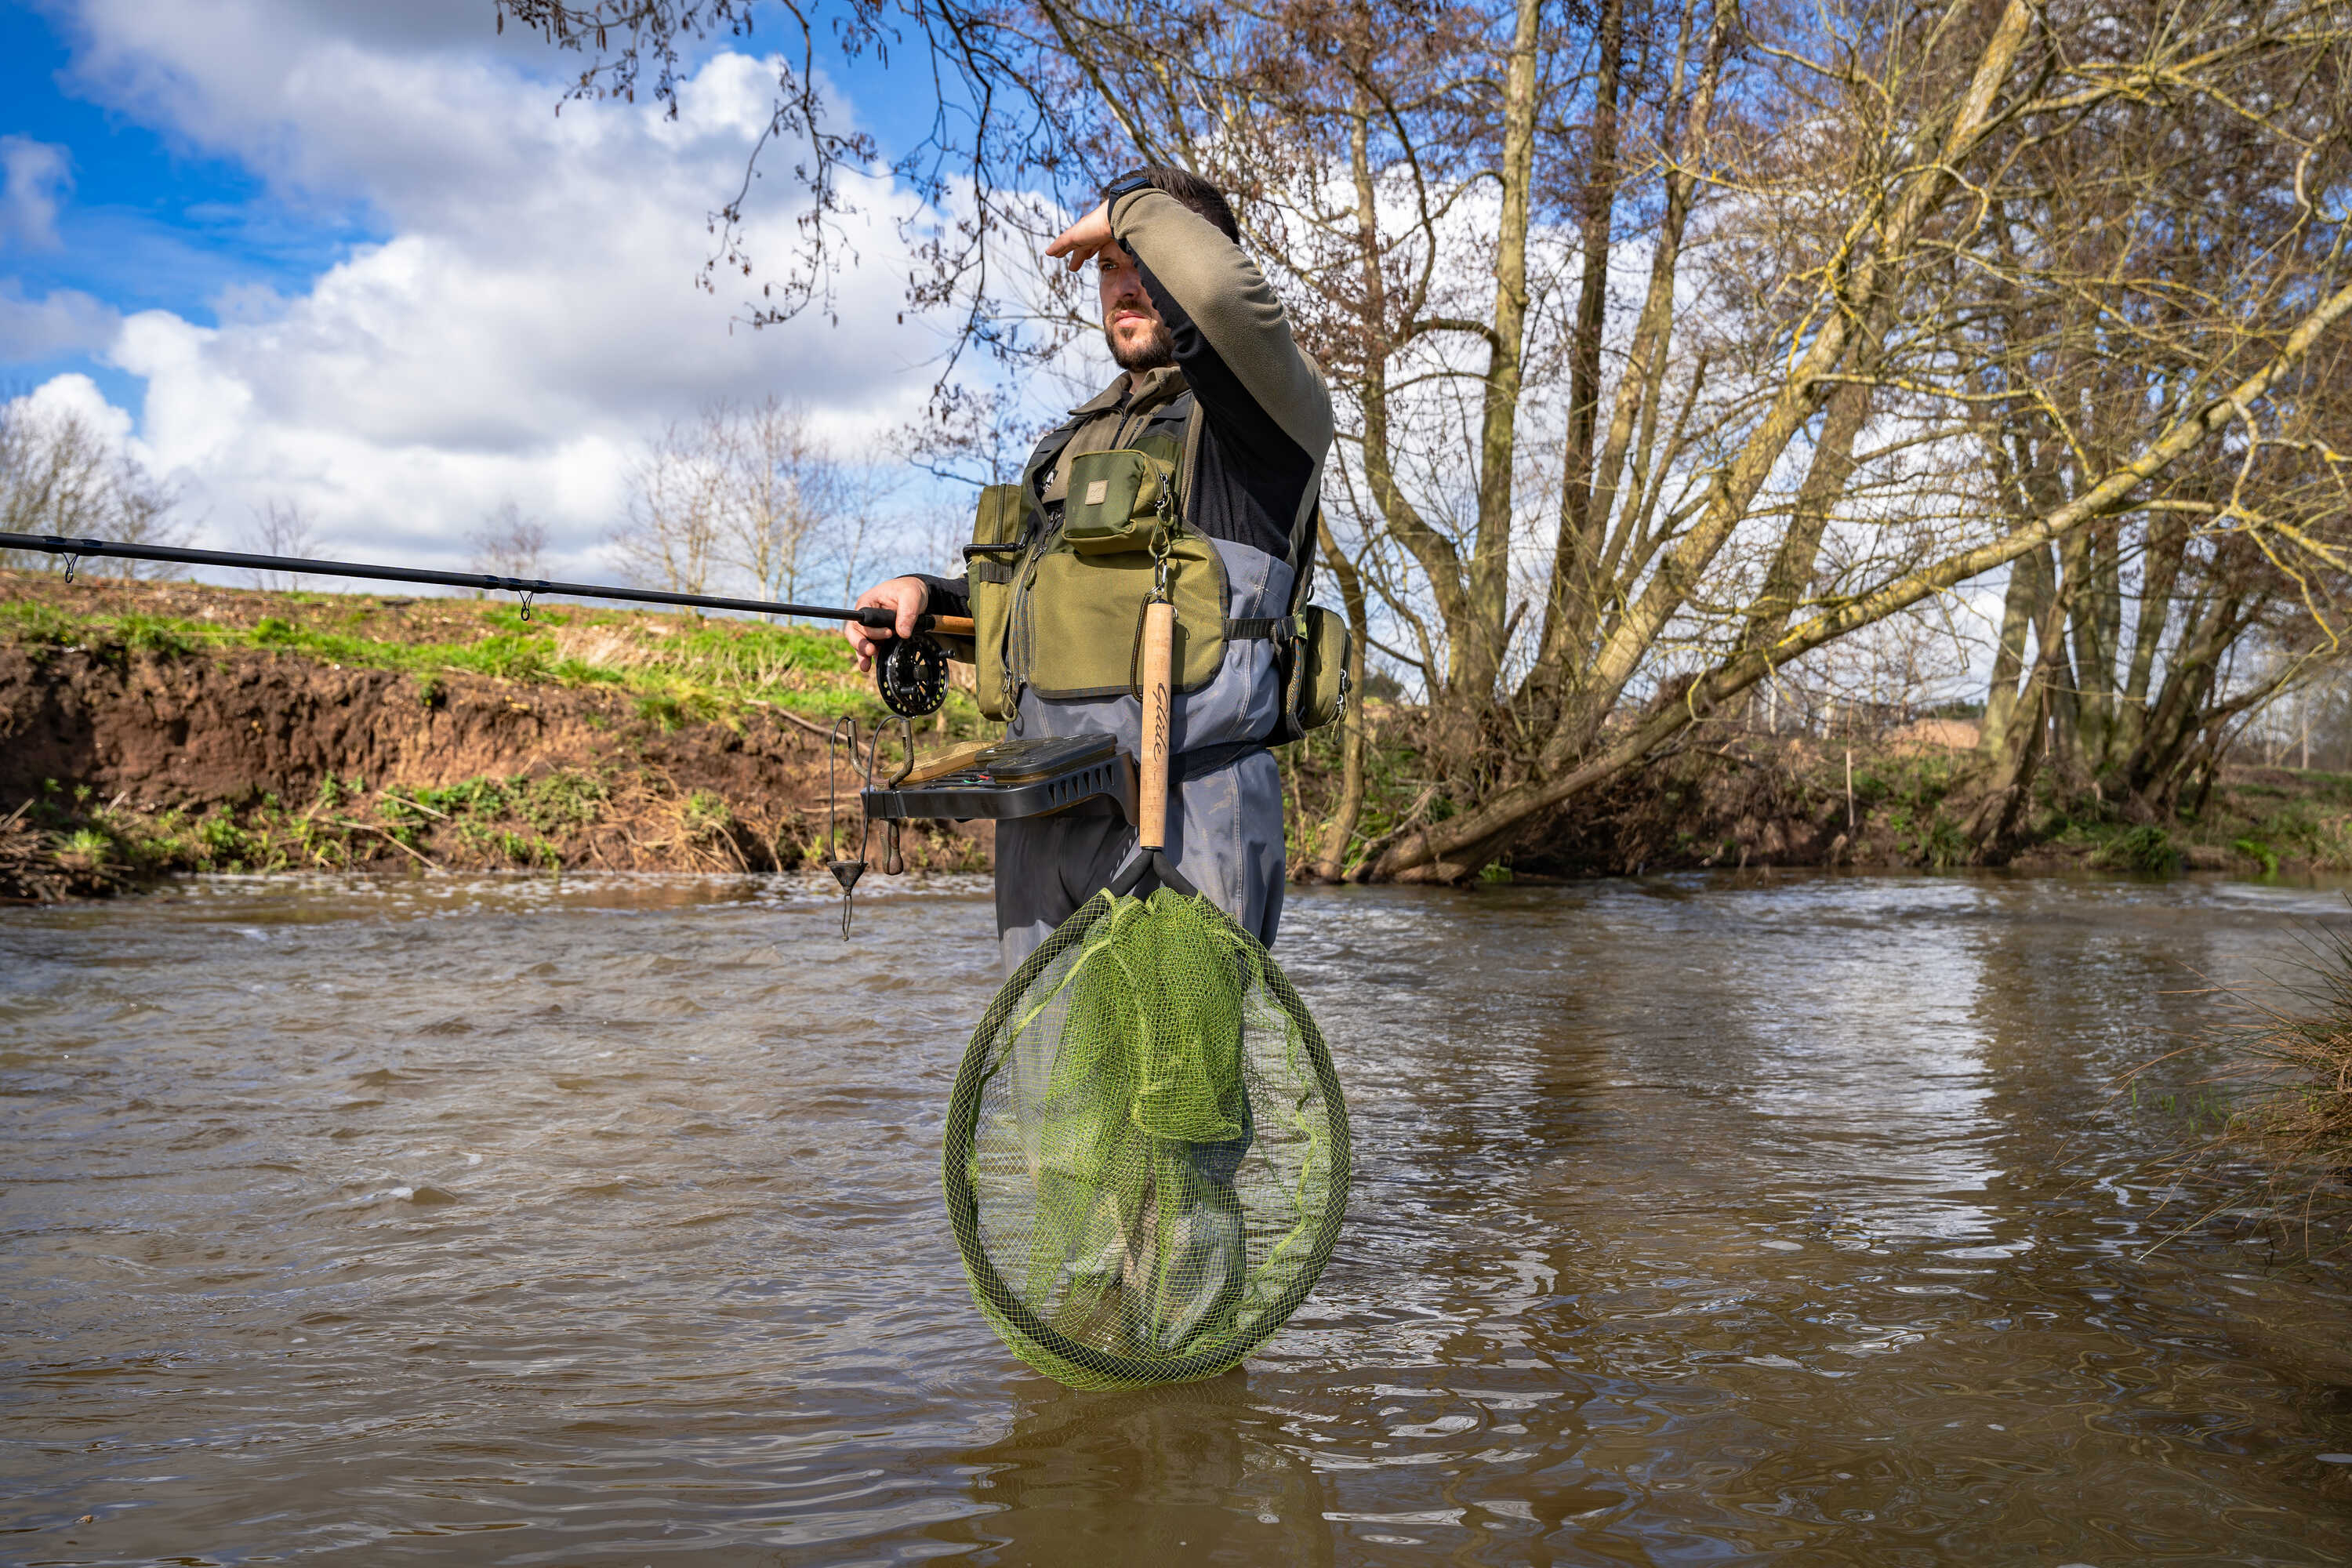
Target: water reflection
(1696, 1218)
(1197, 1473)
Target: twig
(388, 837)
(789, 717)
(416, 806)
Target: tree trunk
(2029, 583)
(1477, 664)
(1331, 854)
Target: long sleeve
(949, 595)
(1267, 411)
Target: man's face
(1138, 339)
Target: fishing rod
(910, 673)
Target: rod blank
(871, 616)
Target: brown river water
(1790, 1218)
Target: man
(1209, 371)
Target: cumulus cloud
(78, 398)
(34, 179)
(533, 317)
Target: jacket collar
(1163, 385)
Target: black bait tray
(1018, 778)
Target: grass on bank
(2267, 1135)
(509, 823)
(541, 822)
(680, 669)
(2298, 1069)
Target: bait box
(971, 793)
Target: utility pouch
(1119, 500)
(991, 571)
(1079, 629)
(1311, 662)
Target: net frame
(1038, 1342)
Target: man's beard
(1153, 353)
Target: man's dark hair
(1197, 193)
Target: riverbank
(153, 728)
(158, 727)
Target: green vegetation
(2268, 1130)
(680, 670)
(2297, 1068)
(513, 822)
(2148, 850)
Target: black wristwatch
(1126, 185)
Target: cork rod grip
(949, 625)
(1159, 653)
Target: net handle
(1151, 794)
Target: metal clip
(846, 872)
(1161, 545)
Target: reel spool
(912, 674)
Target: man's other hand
(1085, 239)
(904, 597)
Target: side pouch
(992, 567)
(1312, 663)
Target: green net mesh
(1147, 1154)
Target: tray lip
(1112, 777)
(1101, 748)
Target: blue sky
(146, 224)
(345, 254)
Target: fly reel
(911, 673)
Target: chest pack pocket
(1077, 620)
(1058, 604)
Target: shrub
(2149, 850)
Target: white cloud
(63, 321)
(34, 179)
(534, 315)
(79, 396)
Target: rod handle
(1152, 791)
(881, 619)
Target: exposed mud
(134, 759)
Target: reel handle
(1151, 791)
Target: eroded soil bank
(155, 727)
(151, 728)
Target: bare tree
(675, 512)
(508, 543)
(59, 474)
(1676, 342)
(280, 527)
(748, 497)
(790, 506)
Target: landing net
(1147, 1154)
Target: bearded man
(1216, 403)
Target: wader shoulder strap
(1191, 463)
(1264, 628)
(1047, 452)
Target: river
(1785, 1217)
